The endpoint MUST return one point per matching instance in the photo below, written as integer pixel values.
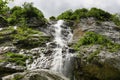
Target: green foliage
(3, 6)
(99, 14)
(23, 15)
(52, 18)
(79, 13)
(23, 37)
(18, 77)
(91, 38)
(28, 38)
(66, 15)
(116, 19)
(92, 55)
(16, 15)
(19, 59)
(84, 13)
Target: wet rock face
(36, 75)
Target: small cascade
(59, 58)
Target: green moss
(102, 71)
(23, 37)
(92, 55)
(18, 77)
(19, 59)
(2, 60)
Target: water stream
(60, 58)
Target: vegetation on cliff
(99, 14)
(96, 13)
(23, 37)
(20, 29)
(92, 38)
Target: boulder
(36, 75)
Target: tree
(52, 18)
(3, 6)
(99, 14)
(79, 13)
(27, 15)
(66, 15)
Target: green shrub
(79, 13)
(23, 15)
(116, 19)
(52, 18)
(91, 38)
(99, 14)
(66, 15)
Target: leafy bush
(93, 38)
(66, 15)
(79, 13)
(26, 15)
(84, 13)
(52, 18)
(99, 14)
(3, 7)
(116, 19)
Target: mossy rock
(23, 37)
(98, 71)
(29, 43)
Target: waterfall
(62, 37)
(59, 59)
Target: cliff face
(99, 56)
(95, 44)
(107, 28)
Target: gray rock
(107, 28)
(37, 75)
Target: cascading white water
(57, 62)
(62, 41)
(59, 59)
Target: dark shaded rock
(52, 45)
(69, 23)
(35, 23)
(71, 50)
(3, 22)
(7, 71)
(48, 52)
